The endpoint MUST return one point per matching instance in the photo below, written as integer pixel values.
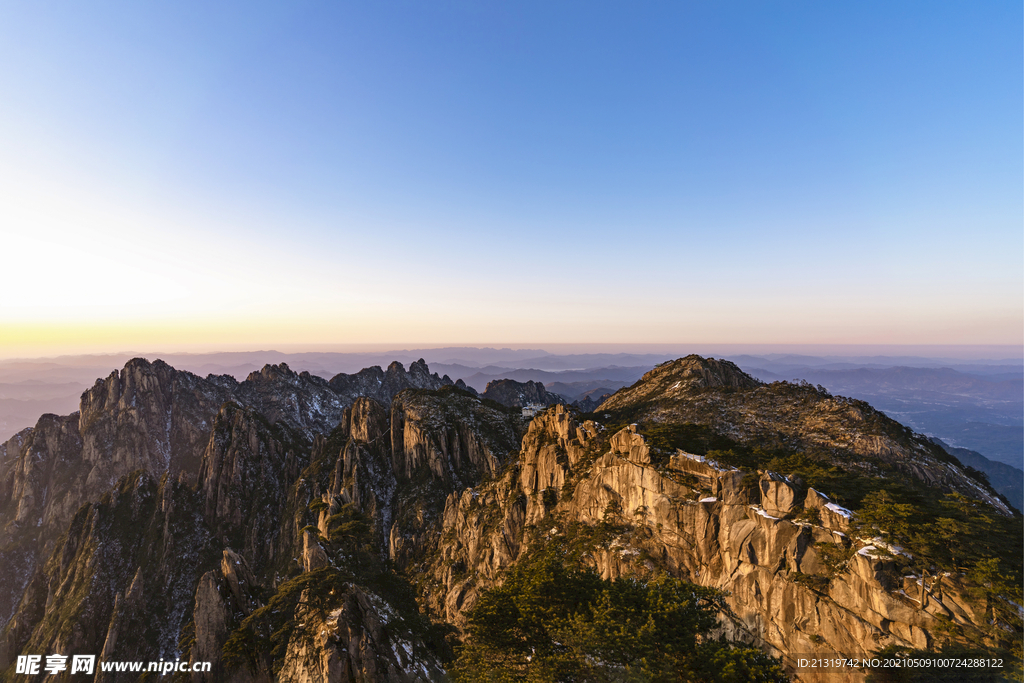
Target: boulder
(631, 445)
(778, 495)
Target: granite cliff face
(287, 528)
(744, 533)
(235, 445)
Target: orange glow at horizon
(26, 339)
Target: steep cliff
(237, 446)
(292, 529)
(371, 498)
(147, 417)
(120, 579)
(799, 579)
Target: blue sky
(314, 172)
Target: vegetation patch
(554, 620)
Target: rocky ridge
(509, 392)
(370, 524)
(718, 395)
(225, 437)
(382, 385)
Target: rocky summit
(392, 525)
(521, 394)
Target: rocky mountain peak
(509, 392)
(705, 372)
(419, 371)
(382, 386)
(743, 412)
(120, 389)
(272, 373)
(680, 378)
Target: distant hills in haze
(978, 407)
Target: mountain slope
(844, 433)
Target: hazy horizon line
(1010, 352)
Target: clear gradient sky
(244, 175)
